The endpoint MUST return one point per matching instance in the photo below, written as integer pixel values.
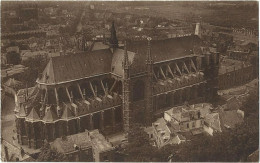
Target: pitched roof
(230, 118)
(163, 50)
(117, 61)
(254, 157)
(33, 115)
(67, 145)
(22, 111)
(213, 120)
(67, 113)
(98, 46)
(50, 115)
(234, 104)
(99, 142)
(77, 66)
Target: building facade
(109, 89)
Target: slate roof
(22, 111)
(98, 46)
(67, 113)
(73, 67)
(162, 128)
(234, 103)
(33, 115)
(230, 118)
(66, 145)
(117, 61)
(253, 157)
(204, 108)
(99, 141)
(213, 121)
(50, 115)
(167, 49)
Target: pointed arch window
(138, 90)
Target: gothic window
(62, 95)
(138, 90)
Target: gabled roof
(98, 46)
(77, 66)
(33, 115)
(66, 145)
(214, 121)
(117, 61)
(230, 118)
(163, 50)
(22, 111)
(50, 115)
(99, 142)
(234, 104)
(67, 113)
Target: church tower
(149, 85)
(126, 91)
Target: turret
(113, 39)
(149, 56)
(126, 63)
(149, 87)
(126, 92)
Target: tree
(139, 148)
(49, 154)
(35, 67)
(13, 58)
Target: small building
(164, 134)
(77, 147)
(184, 118)
(86, 146)
(212, 123)
(103, 150)
(12, 153)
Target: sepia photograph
(129, 81)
